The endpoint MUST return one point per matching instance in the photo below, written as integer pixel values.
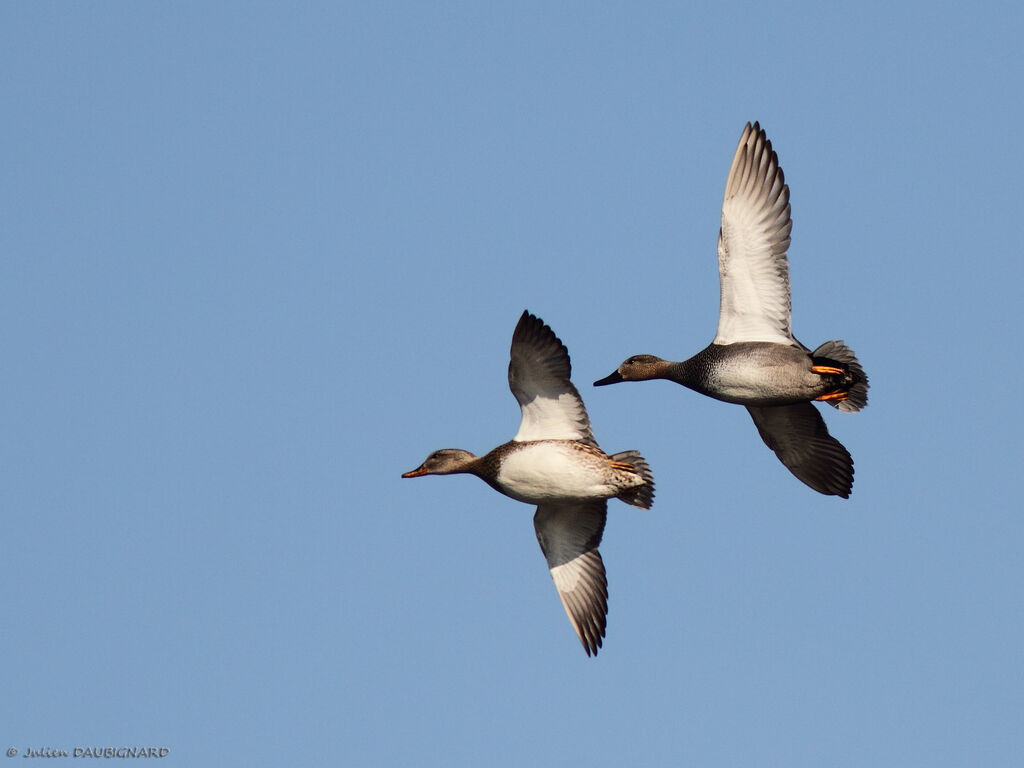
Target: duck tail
(642, 496)
(857, 392)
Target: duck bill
(614, 378)
(418, 472)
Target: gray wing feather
(799, 437)
(538, 375)
(752, 244)
(569, 534)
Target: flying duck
(554, 462)
(754, 359)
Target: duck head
(447, 461)
(636, 368)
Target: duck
(554, 462)
(754, 359)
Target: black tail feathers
(837, 353)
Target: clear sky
(257, 260)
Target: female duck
(754, 359)
(554, 462)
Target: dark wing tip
(533, 331)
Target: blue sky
(256, 260)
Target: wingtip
(531, 326)
(525, 320)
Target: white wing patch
(538, 375)
(567, 577)
(752, 243)
(558, 417)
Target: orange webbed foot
(838, 394)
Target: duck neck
(471, 466)
(481, 466)
(689, 373)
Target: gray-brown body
(755, 373)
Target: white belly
(545, 471)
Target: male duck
(754, 359)
(555, 463)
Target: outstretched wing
(752, 243)
(569, 533)
(538, 375)
(800, 439)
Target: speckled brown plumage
(554, 462)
